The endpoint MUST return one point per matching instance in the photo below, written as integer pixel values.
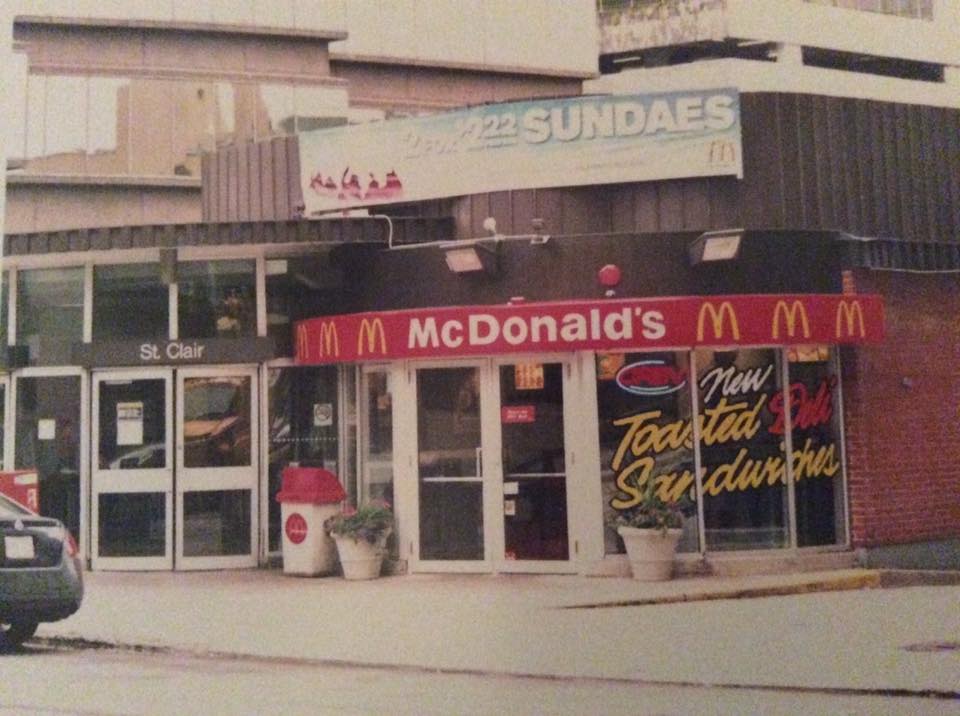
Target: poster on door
(130, 423)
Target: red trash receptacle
(307, 497)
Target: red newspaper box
(22, 486)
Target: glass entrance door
(132, 495)
(216, 485)
(450, 469)
(534, 466)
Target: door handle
(479, 462)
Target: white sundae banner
(523, 145)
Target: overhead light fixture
(716, 246)
(470, 258)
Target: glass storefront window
(216, 422)
(216, 523)
(216, 299)
(3, 422)
(276, 111)
(319, 108)
(129, 301)
(644, 409)
(297, 288)
(108, 150)
(448, 450)
(815, 436)
(304, 416)
(64, 138)
(4, 305)
(47, 436)
(132, 424)
(50, 313)
(534, 461)
(132, 524)
(742, 453)
(377, 438)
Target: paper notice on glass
(511, 488)
(46, 429)
(130, 423)
(510, 508)
(322, 415)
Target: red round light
(609, 275)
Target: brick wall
(902, 414)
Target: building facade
(511, 398)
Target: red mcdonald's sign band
(607, 325)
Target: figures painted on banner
(350, 188)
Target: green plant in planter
(653, 512)
(371, 522)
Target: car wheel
(12, 635)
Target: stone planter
(358, 558)
(650, 552)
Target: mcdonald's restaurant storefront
(508, 413)
(508, 434)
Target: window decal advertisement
(568, 141)
(742, 422)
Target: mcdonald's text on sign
(607, 325)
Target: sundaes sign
(654, 323)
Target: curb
(81, 643)
(871, 580)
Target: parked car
(41, 575)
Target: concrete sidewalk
(825, 630)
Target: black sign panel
(188, 351)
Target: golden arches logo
(370, 333)
(849, 312)
(789, 314)
(302, 342)
(717, 316)
(329, 340)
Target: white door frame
(406, 460)
(204, 479)
(132, 481)
(7, 463)
(408, 478)
(570, 431)
(62, 372)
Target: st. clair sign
(603, 325)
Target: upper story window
(129, 301)
(74, 124)
(50, 313)
(216, 299)
(922, 9)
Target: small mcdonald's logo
(789, 315)
(718, 319)
(329, 340)
(370, 335)
(302, 342)
(850, 316)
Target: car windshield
(10, 509)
